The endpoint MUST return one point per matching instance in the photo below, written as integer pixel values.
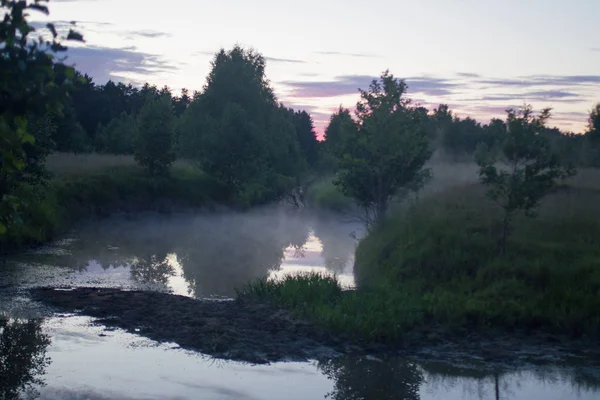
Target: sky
(478, 56)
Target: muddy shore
(256, 333)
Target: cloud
(468, 75)
(544, 80)
(559, 96)
(63, 27)
(284, 60)
(595, 49)
(338, 53)
(349, 84)
(104, 63)
(147, 34)
(271, 59)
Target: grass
(435, 266)
(98, 185)
(324, 194)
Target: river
(50, 355)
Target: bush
(71, 197)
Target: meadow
(434, 266)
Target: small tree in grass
(383, 155)
(521, 169)
(154, 143)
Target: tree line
(235, 129)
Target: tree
(181, 103)
(33, 83)
(307, 137)
(593, 131)
(244, 136)
(385, 156)
(340, 124)
(154, 142)
(117, 136)
(23, 358)
(529, 169)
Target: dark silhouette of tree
(23, 357)
(529, 171)
(154, 145)
(307, 137)
(340, 124)
(385, 157)
(33, 83)
(152, 270)
(363, 379)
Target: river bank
(94, 185)
(258, 333)
(433, 270)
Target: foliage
(33, 82)
(154, 142)
(111, 186)
(118, 136)
(340, 126)
(23, 358)
(323, 194)
(306, 136)
(530, 169)
(593, 131)
(432, 271)
(385, 156)
(238, 132)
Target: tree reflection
(338, 245)
(23, 357)
(152, 270)
(364, 379)
(236, 249)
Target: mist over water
(62, 356)
(198, 255)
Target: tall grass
(67, 164)
(98, 185)
(324, 194)
(435, 266)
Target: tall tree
(154, 143)
(528, 169)
(385, 157)
(247, 139)
(33, 83)
(340, 124)
(307, 137)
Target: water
(45, 355)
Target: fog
(203, 254)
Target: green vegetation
(106, 185)
(528, 169)
(434, 268)
(325, 195)
(154, 141)
(382, 155)
(32, 84)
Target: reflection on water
(90, 362)
(199, 255)
(362, 378)
(211, 255)
(23, 359)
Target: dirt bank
(237, 330)
(223, 329)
